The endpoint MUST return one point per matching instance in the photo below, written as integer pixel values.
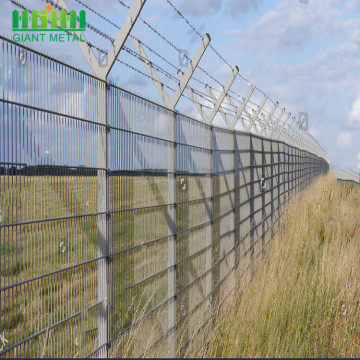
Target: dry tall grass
(304, 298)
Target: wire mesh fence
(120, 219)
(349, 176)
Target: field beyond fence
(303, 301)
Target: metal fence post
(232, 221)
(298, 173)
(302, 168)
(252, 206)
(236, 201)
(297, 169)
(290, 171)
(209, 227)
(171, 218)
(103, 226)
(272, 188)
(305, 169)
(263, 202)
(280, 180)
(287, 171)
(243, 143)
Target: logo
(304, 120)
(39, 20)
(184, 58)
(48, 20)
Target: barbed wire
(172, 45)
(170, 76)
(204, 96)
(133, 53)
(118, 60)
(136, 55)
(211, 46)
(159, 68)
(198, 33)
(153, 51)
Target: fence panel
(49, 198)
(268, 196)
(193, 245)
(121, 221)
(257, 192)
(223, 205)
(243, 221)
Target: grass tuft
(304, 298)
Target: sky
(304, 54)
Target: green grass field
(304, 298)
(35, 248)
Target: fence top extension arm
(184, 79)
(221, 111)
(255, 117)
(264, 126)
(103, 70)
(223, 94)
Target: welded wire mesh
(49, 196)
(117, 234)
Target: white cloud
(136, 80)
(236, 7)
(354, 115)
(354, 6)
(289, 28)
(200, 7)
(344, 140)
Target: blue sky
(306, 56)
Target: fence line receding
(122, 220)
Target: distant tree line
(48, 170)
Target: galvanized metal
(123, 221)
(171, 221)
(255, 117)
(223, 94)
(190, 71)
